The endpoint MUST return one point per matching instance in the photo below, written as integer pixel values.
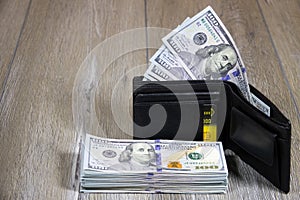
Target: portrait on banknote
(210, 62)
(136, 156)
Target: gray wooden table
(43, 49)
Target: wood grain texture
(283, 22)
(282, 19)
(12, 16)
(38, 137)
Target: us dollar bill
(260, 105)
(149, 77)
(207, 50)
(144, 156)
(146, 79)
(102, 154)
(158, 73)
(193, 157)
(170, 63)
(163, 58)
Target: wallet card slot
(182, 97)
(200, 103)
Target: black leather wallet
(215, 110)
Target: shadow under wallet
(215, 111)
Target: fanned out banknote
(201, 48)
(207, 50)
(111, 165)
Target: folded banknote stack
(201, 48)
(152, 166)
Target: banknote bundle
(152, 166)
(201, 48)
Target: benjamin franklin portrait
(136, 156)
(210, 62)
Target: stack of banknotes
(201, 48)
(152, 166)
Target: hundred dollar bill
(159, 74)
(170, 63)
(146, 79)
(149, 77)
(187, 185)
(148, 191)
(260, 105)
(193, 157)
(153, 156)
(207, 50)
(119, 155)
(173, 64)
(151, 166)
(140, 179)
